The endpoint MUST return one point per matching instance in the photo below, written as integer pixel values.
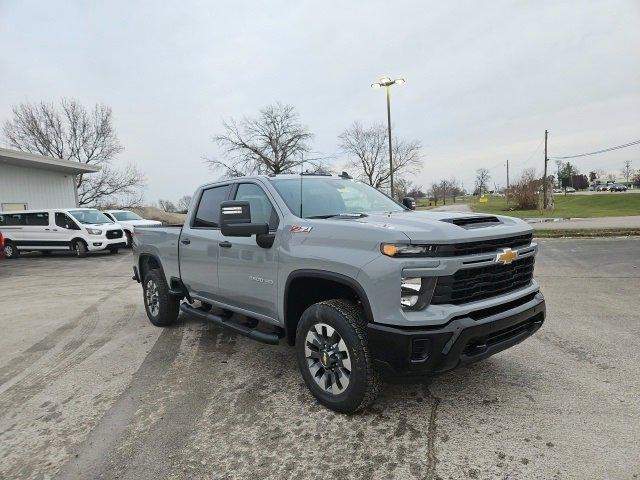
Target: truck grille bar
(483, 246)
(473, 284)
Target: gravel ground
(89, 389)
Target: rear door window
(37, 219)
(208, 213)
(12, 219)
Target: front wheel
(162, 308)
(113, 251)
(333, 356)
(80, 248)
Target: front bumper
(411, 352)
(101, 243)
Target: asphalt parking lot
(89, 389)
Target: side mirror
(235, 220)
(409, 202)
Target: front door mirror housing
(409, 202)
(235, 220)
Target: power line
(617, 147)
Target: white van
(79, 229)
(128, 220)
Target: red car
(1, 246)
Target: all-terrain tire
(162, 308)
(347, 318)
(113, 251)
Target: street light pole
(389, 131)
(387, 83)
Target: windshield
(90, 216)
(324, 197)
(124, 216)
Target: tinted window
(124, 216)
(208, 213)
(261, 209)
(40, 219)
(64, 221)
(12, 219)
(90, 216)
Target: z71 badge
(300, 229)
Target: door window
(261, 209)
(208, 213)
(40, 219)
(64, 221)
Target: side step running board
(270, 338)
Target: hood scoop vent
(474, 222)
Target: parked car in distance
(364, 287)
(616, 187)
(557, 190)
(128, 219)
(570, 190)
(602, 188)
(81, 230)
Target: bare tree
(273, 142)
(627, 171)
(455, 189)
(166, 206)
(184, 203)
(367, 149)
(482, 180)
(71, 132)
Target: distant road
(588, 192)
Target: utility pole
(544, 179)
(507, 192)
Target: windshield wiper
(341, 215)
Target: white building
(29, 181)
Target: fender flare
(326, 275)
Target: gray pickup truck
(363, 286)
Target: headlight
(416, 293)
(406, 250)
(94, 231)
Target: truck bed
(162, 242)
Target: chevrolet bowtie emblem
(506, 256)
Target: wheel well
(78, 239)
(148, 262)
(303, 291)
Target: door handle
(225, 244)
(46, 229)
(185, 241)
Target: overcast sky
(484, 79)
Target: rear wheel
(10, 250)
(113, 250)
(162, 308)
(333, 356)
(80, 248)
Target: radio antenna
(301, 174)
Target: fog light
(416, 292)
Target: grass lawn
(580, 206)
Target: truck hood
(445, 227)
